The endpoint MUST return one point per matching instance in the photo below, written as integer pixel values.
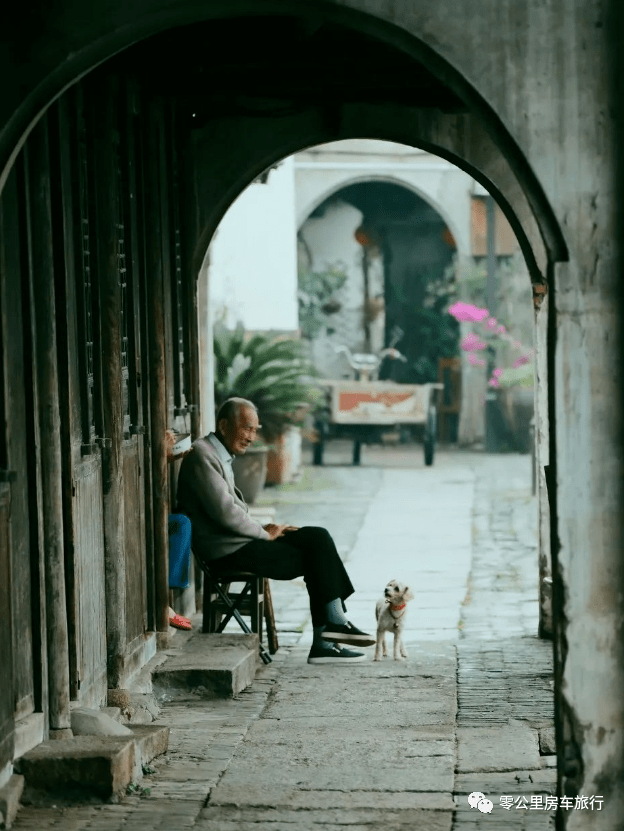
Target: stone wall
(538, 129)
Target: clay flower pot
(250, 472)
(284, 456)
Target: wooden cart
(363, 410)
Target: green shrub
(273, 373)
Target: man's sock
(334, 611)
(318, 639)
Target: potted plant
(273, 373)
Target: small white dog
(390, 614)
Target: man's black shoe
(334, 654)
(347, 633)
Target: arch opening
(225, 133)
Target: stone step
(210, 665)
(103, 766)
(99, 765)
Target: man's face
(239, 433)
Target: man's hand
(275, 531)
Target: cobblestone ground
(392, 745)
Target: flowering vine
(490, 331)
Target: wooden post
(102, 126)
(157, 376)
(190, 235)
(50, 427)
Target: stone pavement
(391, 745)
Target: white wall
(253, 257)
(321, 171)
(330, 240)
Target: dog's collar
(395, 608)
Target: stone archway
(533, 87)
(317, 193)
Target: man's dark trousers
(309, 552)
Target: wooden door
(128, 185)
(6, 646)
(80, 374)
(20, 691)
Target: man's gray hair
(230, 409)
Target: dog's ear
(408, 594)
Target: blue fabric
(179, 551)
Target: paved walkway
(392, 745)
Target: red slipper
(180, 622)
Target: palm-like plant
(274, 374)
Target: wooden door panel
(17, 399)
(134, 540)
(89, 582)
(6, 659)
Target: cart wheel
(429, 441)
(317, 455)
(357, 449)
(429, 452)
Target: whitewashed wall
(330, 240)
(253, 257)
(322, 170)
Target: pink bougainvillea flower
(523, 359)
(493, 382)
(468, 312)
(491, 323)
(472, 359)
(500, 329)
(471, 343)
(497, 373)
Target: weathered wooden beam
(102, 125)
(154, 231)
(190, 236)
(44, 312)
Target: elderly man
(227, 538)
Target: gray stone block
(547, 741)
(210, 665)
(150, 740)
(506, 747)
(113, 712)
(142, 708)
(296, 798)
(222, 818)
(86, 722)
(103, 765)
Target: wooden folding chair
(221, 604)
